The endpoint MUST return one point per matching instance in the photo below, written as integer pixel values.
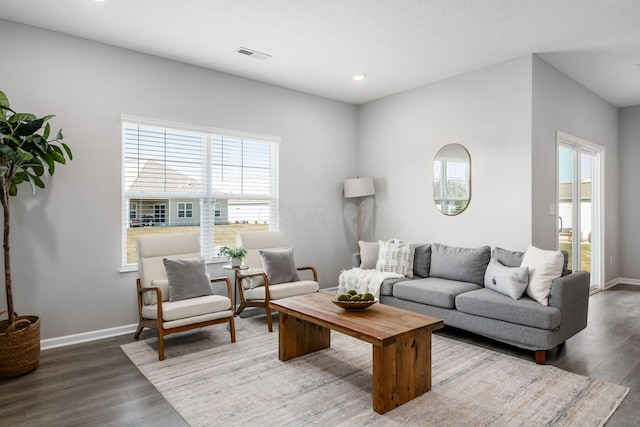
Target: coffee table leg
(401, 371)
(297, 337)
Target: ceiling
(316, 46)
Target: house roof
(150, 176)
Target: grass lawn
(225, 235)
(585, 252)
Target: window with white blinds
(179, 178)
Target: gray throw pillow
(510, 281)
(279, 265)
(188, 278)
(463, 264)
(508, 258)
(368, 254)
(422, 260)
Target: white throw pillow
(395, 256)
(368, 254)
(544, 268)
(509, 281)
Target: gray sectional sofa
(448, 283)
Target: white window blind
(188, 179)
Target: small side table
(236, 271)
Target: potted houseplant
(235, 255)
(27, 153)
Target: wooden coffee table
(401, 341)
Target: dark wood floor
(96, 384)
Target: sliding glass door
(579, 202)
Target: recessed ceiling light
(359, 77)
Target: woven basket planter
(19, 346)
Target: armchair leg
(160, 346)
(232, 329)
(541, 357)
(269, 321)
(138, 332)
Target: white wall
(489, 112)
(630, 192)
(66, 248)
(561, 104)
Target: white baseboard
(87, 336)
(620, 280)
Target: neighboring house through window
(192, 178)
(185, 210)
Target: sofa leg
(541, 357)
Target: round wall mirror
(452, 179)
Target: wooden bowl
(354, 305)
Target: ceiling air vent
(253, 53)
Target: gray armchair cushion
(462, 264)
(279, 265)
(188, 278)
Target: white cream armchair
(155, 309)
(254, 287)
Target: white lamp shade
(359, 187)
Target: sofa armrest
(570, 294)
(356, 259)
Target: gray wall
(630, 192)
(489, 112)
(561, 104)
(66, 240)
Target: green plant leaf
(4, 100)
(47, 118)
(24, 117)
(47, 131)
(24, 155)
(28, 128)
(13, 189)
(36, 180)
(56, 152)
(3, 170)
(59, 135)
(68, 150)
(8, 152)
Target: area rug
(211, 382)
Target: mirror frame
(464, 152)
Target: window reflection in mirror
(452, 179)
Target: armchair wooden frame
(244, 303)
(157, 324)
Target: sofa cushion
(510, 281)
(462, 264)
(368, 254)
(492, 305)
(506, 257)
(432, 291)
(396, 256)
(386, 288)
(422, 260)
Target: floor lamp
(358, 187)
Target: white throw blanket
(364, 281)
